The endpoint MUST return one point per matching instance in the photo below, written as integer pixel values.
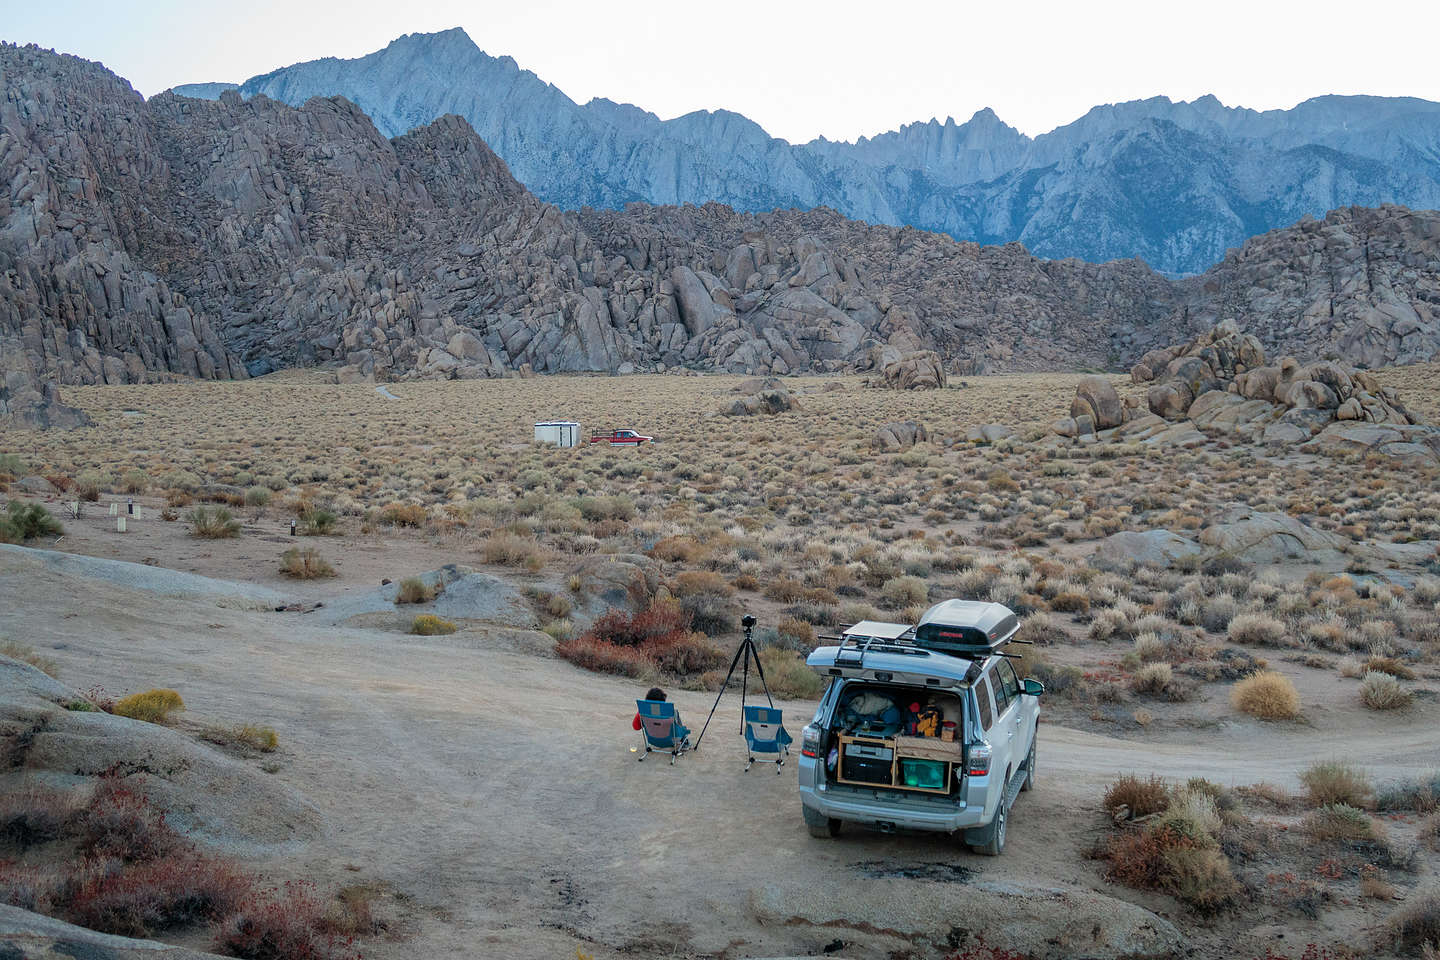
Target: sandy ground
(496, 792)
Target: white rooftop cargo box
(561, 433)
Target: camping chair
(661, 730)
(765, 736)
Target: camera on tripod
(743, 657)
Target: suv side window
(1002, 700)
(1005, 673)
(982, 700)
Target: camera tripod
(742, 658)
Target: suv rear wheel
(989, 840)
(820, 825)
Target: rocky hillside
(1176, 184)
(1362, 285)
(233, 237)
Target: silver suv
(922, 728)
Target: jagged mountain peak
(1114, 183)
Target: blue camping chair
(765, 737)
(661, 730)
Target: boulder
(1220, 380)
(1259, 383)
(1095, 396)
(893, 437)
(1309, 393)
(988, 433)
(1150, 548)
(159, 581)
(920, 370)
(622, 581)
(1049, 922)
(1267, 537)
(33, 936)
(1169, 400)
(463, 594)
(766, 401)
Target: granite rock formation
(232, 237)
(1221, 382)
(900, 435)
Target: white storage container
(561, 433)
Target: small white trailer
(560, 433)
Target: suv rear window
(982, 699)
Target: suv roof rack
(857, 639)
(983, 630)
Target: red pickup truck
(622, 437)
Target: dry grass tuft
(1256, 628)
(26, 654)
(1139, 797)
(152, 706)
(305, 564)
(429, 625)
(1381, 691)
(213, 523)
(247, 735)
(1339, 821)
(1335, 782)
(513, 550)
(1266, 695)
(416, 590)
(1416, 924)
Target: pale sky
(841, 69)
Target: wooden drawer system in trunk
(922, 764)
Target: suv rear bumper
(843, 805)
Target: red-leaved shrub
(289, 923)
(603, 657)
(122, 824)
(656, 638)
(136, 876)
(659, 621)
(140, 899)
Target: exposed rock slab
(32, 936)
(1042, 922)
(1268, 537)
(1151, 548)
(212, 798)
(465, 595)
(138, 576)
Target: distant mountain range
(228, 238)
(1175, 184)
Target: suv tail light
(979, 763)
(810, 741)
